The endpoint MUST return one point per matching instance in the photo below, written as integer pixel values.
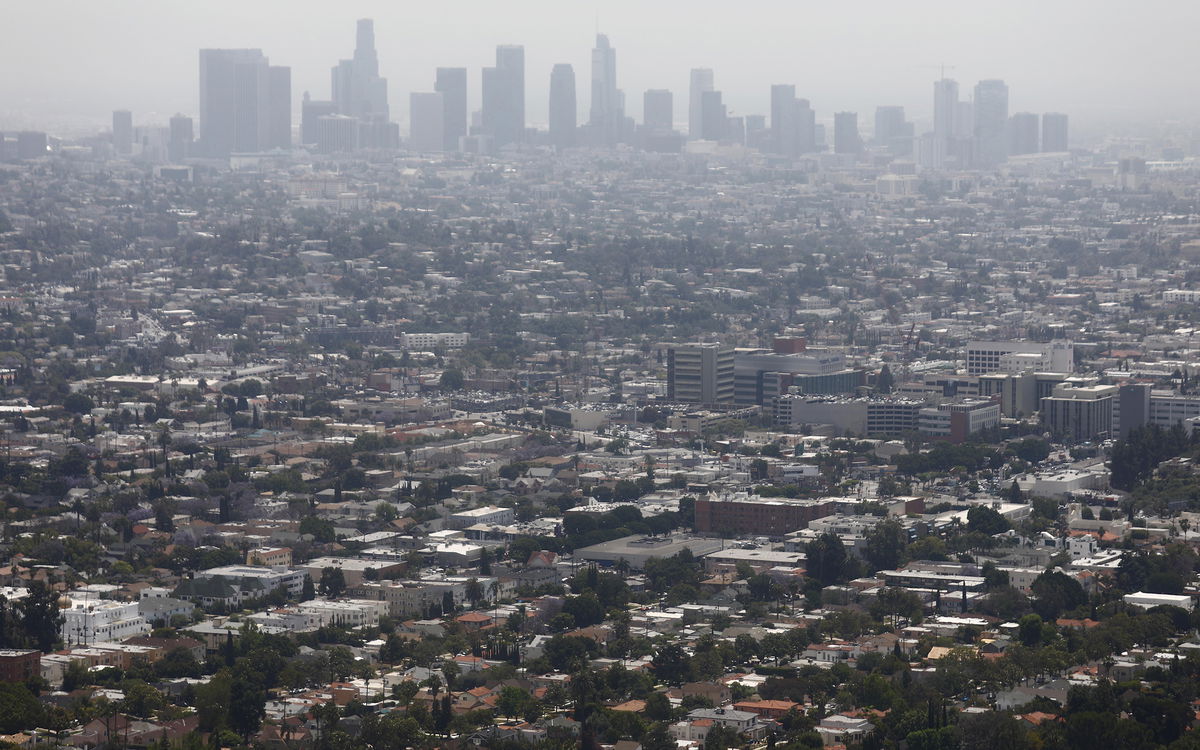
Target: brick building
(17, 665)
(763, 516)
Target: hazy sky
(73, 62)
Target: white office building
(1016, 357)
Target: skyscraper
(893, 131)
(607, 115)
(658, 110)
(122, 131)
(845, 133)
(337, 133)
(806, 127)
(279, 107)
(1023, 133)
(991, 123)
(701, 81)
(310, 110)
(945, 109)
(1054, 132)
(179, 142)
(451, 83)
(504, 95)
(426, 131)
(714, 122)
(563, 107)
(236, 101)
(358, 90)
(784, 127)
(889, 123)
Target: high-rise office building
(426, 130)
(658, 110)
(503, 112)
(179, 140)
(358, 90)
(451, 83)
(279, 107)
(785, 131)
(337, 133)
(806, 127)
(122, 131)
(735, 130)
(991, 123)
(758, 136)
(714, 122)
(700, 373)
(310, 110)
(32, 144)
(945, 109)
(1023, 133)
(892, 130)
(361, 93)
(701, 81)
(563, 107)
(1054, 132)
(845, 133)
(607, 114)
(236, 101)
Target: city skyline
(656, 52)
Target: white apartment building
(90, 620)
(318, 613)
(256, 581)
(1189, 296)
(351, 613)
(426, 341)
(489, 514)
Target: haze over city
(599, 376)
(1103, 62)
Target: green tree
(986, 520)
(886, 542)
(671, 664)
(19, 708)
(657, 737)
(1056, 593)
(884, 380)
(78, 403)
(333, 582)
(247, 702)
(40, 616)
(451, 379)
(212, 702)
(826, 558)
(140, 700)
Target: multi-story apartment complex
(747, 514)
(91, 620)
